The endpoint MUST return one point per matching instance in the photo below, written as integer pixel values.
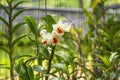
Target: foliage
(62, 52)
(9, 48)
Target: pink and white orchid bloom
(60, 28)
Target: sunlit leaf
(60, 66)
(95, 2)
(87, 14)
(105, 43)
(103, 33)
(39, 68)
(105, 60)
(4, 67)
(57, 78)
(21, 56)
(4, 49)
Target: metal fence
(74, 14)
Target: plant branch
(49, 63)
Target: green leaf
(87, 14)
(39, 68)
(105, 60)
(4, 35)
(48, 21)
(4, 49)
(65, 56)
(113, 58)
(30, 73)
(4, 67)
(105, 43)
(17, 26)
(22, 70)
(32, 40)
(95, 2)
(61, 66)
(18, 13)
(103, 33)
(21, 56)
(4, 21)
(32, 24)
(68, 40)
(112, 76)
(44, 51)
(17, 4)
(8, 2)
(18, 38)
(5, 9)
(37, 78)
(57, 78)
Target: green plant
(47, 37)
(104, 35)
(9, 49)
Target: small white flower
(46, 37)
(43, 33)
(60, 28)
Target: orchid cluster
(54, 37)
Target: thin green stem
(49, 63)
(10, 44)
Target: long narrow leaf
(49, 21)
(4, 8)
(39, 68)
(30, 72)
(18, 38)
(18, 13)
(105, 60)
(4, 49)
(8, 2)
(21, 56)
(32, 24)
(4, 21)
(65, 57)
(17, 4)
(60, 66)
(4, 35)
(4, 67)
(17, 26)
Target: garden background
(83, 14)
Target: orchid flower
(54, 40)
(60, 28)
(46, 37)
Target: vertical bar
(45, 7)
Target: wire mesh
(42, 7)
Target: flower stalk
(49, 63)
